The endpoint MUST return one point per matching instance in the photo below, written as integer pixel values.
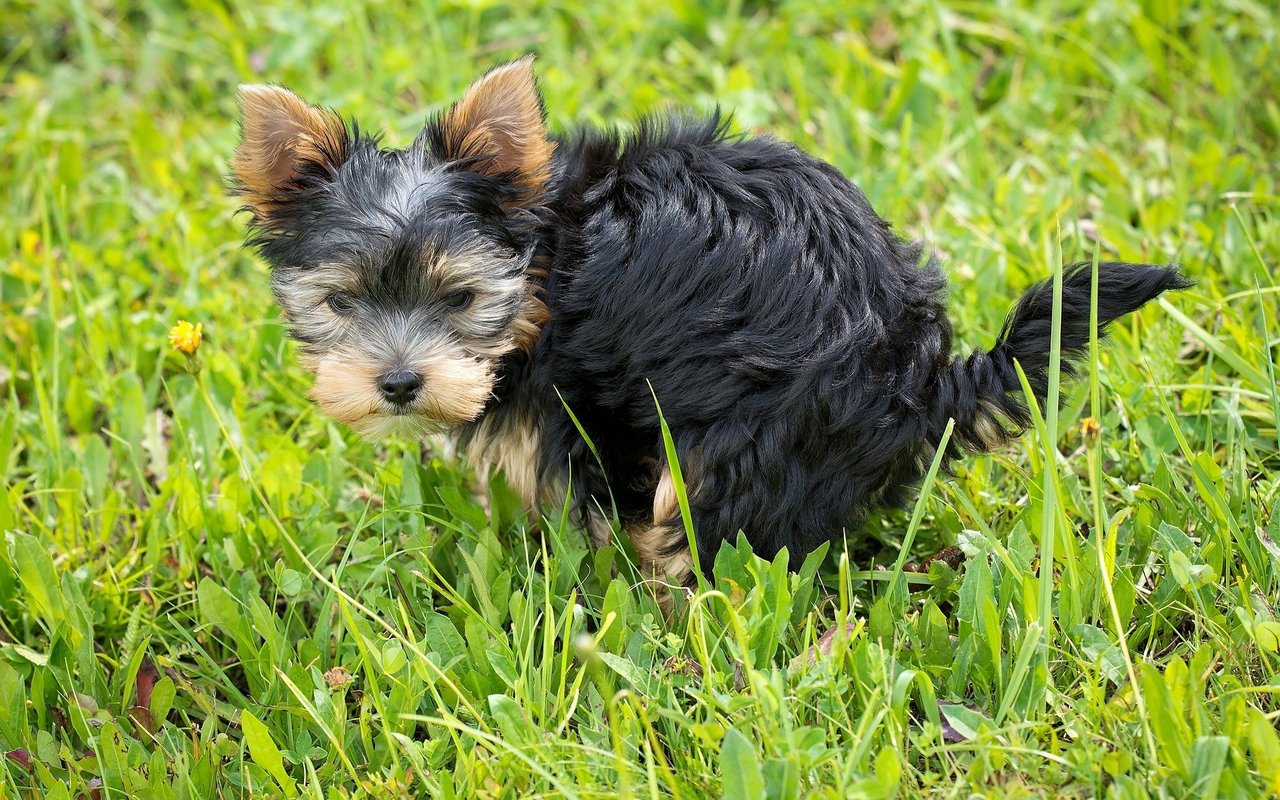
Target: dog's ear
(282, 139)
(499, 126)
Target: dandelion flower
(1090, 429)
(185, 337)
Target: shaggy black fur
(799, 349)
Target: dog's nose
(400, 386)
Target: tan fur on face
(279, 134)
(345, 388)
(474, 272)
(500, 121)
(303, 303)
(528, 325)
(455, 390)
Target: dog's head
(404, 274)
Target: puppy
(509, 286)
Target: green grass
(208, 590)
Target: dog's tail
(982, 392)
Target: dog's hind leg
(662, 547)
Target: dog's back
(799, 349)
(787, 333)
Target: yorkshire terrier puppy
(491, 278)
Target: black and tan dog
(487, 277)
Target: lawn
(209, 590)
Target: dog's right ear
(283, 139)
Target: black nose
(400, 386)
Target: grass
(208, 590)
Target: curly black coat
(799, 350)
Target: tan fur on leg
(661, 548)
(599, 528)
(512, 448)
(661, 571)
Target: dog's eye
(456, 301)
(341, 303)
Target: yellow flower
(1090, 429)
(185, 337)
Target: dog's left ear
(499, 125)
